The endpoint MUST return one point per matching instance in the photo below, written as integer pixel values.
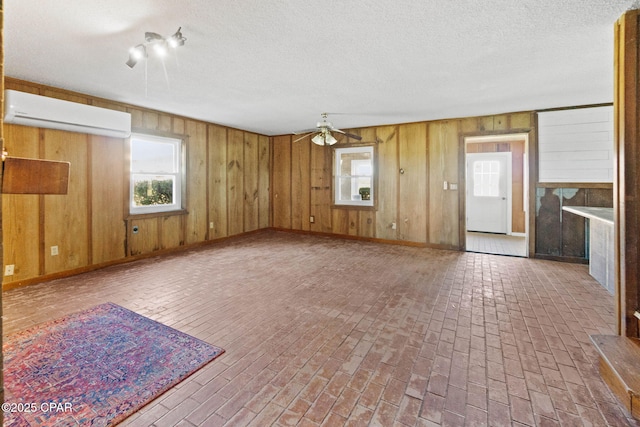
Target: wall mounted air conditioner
(27, 109)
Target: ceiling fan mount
(323, 131)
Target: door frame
(528, 178)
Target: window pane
(355, 164)
(153, 190)
(354, 188)
(152, 156)
(156, 174)
(486, 174)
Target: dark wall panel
(561, 234)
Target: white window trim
(178, 176)
(336, 182)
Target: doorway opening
(496, 198)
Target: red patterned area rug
(94, 367)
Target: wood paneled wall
(227, 183)
(237, 182)
(428, 153)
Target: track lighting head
(158, 44)
(152, 37)
(136, 54)
(177, 39)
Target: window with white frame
(156, 174)
(486, 178)
(353, 173)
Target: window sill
(355, 207)
(157, 214)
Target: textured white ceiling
(273, 66)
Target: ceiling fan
(323, 130)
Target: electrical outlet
(445, 186)
(211, 225)
(9, 269)
(393, 226)
(54, 250)
(312, 219)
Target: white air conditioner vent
(27, 109)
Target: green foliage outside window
(153, 192)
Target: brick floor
(321, 331)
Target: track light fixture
(159, 46)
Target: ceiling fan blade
(350, 135)
(300, 132)
(353, 136)
(306, 135)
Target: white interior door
(488, 196)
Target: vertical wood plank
(321, 198)
(217, 141)
(340, 221)
(196, 146)
(388, 175)
(164, 123)
(412, 140)
(136, 117)
(354, 222)
(251, 171)
(178, 126)
(235, 181)
(150, 120)
(486, 123)
(367, 225)
(147, 239)
(501, 122)
(521, 121)
(21, 213)
(66, 219)
(443, 166)
(281, 182)
(264, 156)
(107, 195)
(171, 231)
(362, 222)
(518, 215)
(469, 125)
(300, 184)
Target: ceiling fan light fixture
(324, 138)
(323, 134)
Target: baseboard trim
(6, 286)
